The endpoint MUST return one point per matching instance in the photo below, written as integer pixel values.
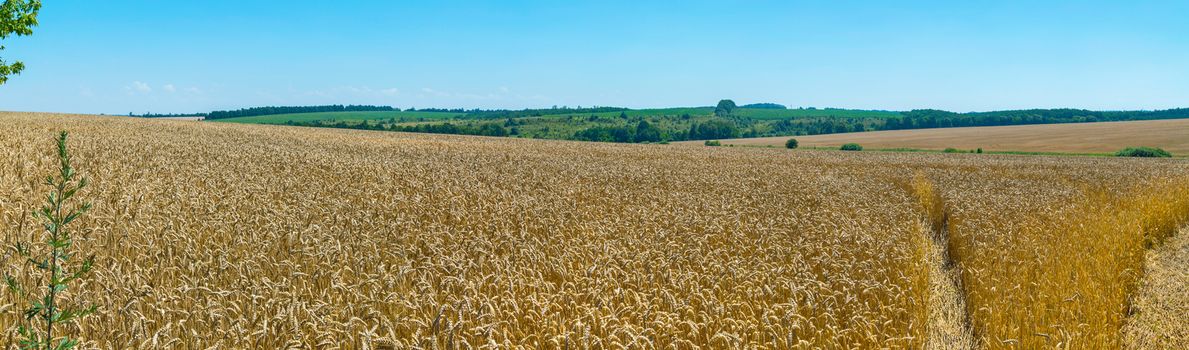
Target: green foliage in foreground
(44, 313)
(851, 147)
(1148, 152)
(712, 143)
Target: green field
(671, 121)
(348, 117)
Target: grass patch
(1144, 152)
(851, 147)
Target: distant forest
(270, 110)
(615, 124)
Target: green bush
(952, 150)
(979, 150)
(713, 143)
(1152, 152)
(851, 147)
(790, 144)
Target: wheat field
(246, 236)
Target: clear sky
(118, 56)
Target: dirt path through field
(1161, 306)
(948, 321)
(949, 325)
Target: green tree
(790, 144)
(17, 17)
(44, 312)
(851, 147)
(725, 108)
(714, 129)
(1143, 152)
(645, 132)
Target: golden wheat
(240, 236)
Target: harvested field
(1161, 305)
(253, 236)
(1107, 137)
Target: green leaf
(69, 193)
(21, 249)
(59, 243)
(13, 286)
(66, 344)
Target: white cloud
(435, 92)
(390, 92)
(169, 88)
(141, 87)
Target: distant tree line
(932, 118)
(822, 125)
(270, 110)
(642, 132)
(764, 106)
(713, 129)
(523, 113)
(484, 129)
(166, 115)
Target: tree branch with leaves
(17, 17)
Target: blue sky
(183, 56)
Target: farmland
(1101, 138)
(623, 125)
(567, 124)
(259, 236)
